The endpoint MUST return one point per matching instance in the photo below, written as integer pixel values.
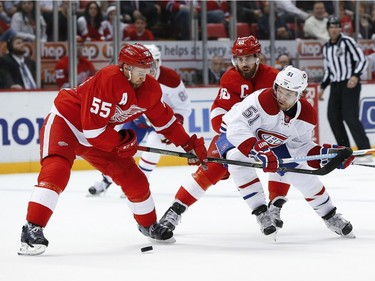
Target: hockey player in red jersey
(81, 123)
(246, 76)
(175, 95)
(276, 123)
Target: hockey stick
(331, 165)
(364, 165)
(324, 156)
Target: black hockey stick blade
(331, 165)
(334, 163)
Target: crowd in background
(169, 20)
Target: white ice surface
(218, 239)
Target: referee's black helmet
(333, 21)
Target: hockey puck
(146, 249)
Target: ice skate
(264, 219)
(33, 241)
(172, 216)
(100, 187)
(157, 233)
(338, 224)
(274, 208)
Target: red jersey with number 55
(94, 108)
(234, 88)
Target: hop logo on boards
(310, 48)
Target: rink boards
(22, 115)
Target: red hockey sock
(277, 189)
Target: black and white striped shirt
(342, 60)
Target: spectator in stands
(20, 68)
(108, 24)
(346, 18)
(85, 68)
(370, 75)
(90, 24)
(178, 14)
(282, 61)
(5, 80)
(287, 9)
(218, 11)
(315, 27)
(248, 11)
(46, 9)
(216, 70)
(140, 32)
(24, 23)
(281, 29)
(10, 7)
(63, 21)
(366, 25)
(131, 10)
(5, 31)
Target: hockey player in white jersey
(175, 95)
(275, 123)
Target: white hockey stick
(324, 156)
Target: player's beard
(136, 85)
(248, 72)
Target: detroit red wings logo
(273, 139)
(121, 116)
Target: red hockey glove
(333, 148)
(128, 145)
(263, 153)
(180, 119)
(196, 146)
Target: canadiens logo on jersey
(121, 115)
(273, 139)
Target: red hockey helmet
(244, 46)
(135, 55)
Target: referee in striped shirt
(344, 63)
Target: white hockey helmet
(154, 51)
(292, 79)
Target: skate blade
(27, 250)
(101, 194)
(351, 235)
(167, 241)
(274, 236)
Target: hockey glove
(333, 148)
(262, 152)
(196, 146)
(128, 145)
(180, 119)
(327, 149)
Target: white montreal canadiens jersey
(177, 99)
(258, 116)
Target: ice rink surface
(218, 239)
